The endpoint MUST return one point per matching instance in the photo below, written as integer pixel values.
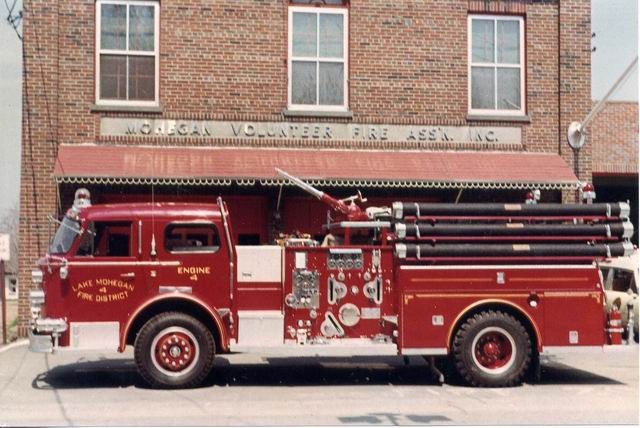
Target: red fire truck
(486, 287)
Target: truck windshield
(64, 237)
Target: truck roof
(159, 210)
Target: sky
(10, 113)
(615, 23)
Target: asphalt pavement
(104, 389)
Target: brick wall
(613, 134)
(575, 81)
(40, 134)
(228, 60)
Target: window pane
(508, 88)
(482, 88)
(508, 42)
(112, 239)
(142, 78)
(303, 82)
(113, 77)
(191, 238)
(141, 28)
(113, 22)
(86, 247)
(331, 36)
(331, 83)
(482, 43)
(305, 33)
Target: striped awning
(161, 165)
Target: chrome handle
(128, 275)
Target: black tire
(492, 349)
(174, 350)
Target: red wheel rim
(493, 350)
(174, 351)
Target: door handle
(128, 275)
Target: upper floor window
(127, 52)
(496, 65)
(318, 66)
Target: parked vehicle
(487, 286)
(620, 276)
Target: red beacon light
(529, 198)
(588, 192)
(532, 197)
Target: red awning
(208, 165)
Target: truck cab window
(106, 239)
(191, 238)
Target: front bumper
(43, 332)
(47, 342)
(41, 343)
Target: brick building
(614, 136)
(433, 100)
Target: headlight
(36, 297)
(36, 276)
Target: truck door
(103, 277)
(194, 260)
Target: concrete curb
(15, 344)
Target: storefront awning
(109, 164)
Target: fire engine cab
(486, 287)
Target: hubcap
(174, 351)
(494, 350)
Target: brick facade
(228, 60)
(614, 137)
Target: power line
(14, 18)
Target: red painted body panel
(428, 301)
(568, 298)
(259, 296)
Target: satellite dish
(575, 135)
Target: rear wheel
(492, 349)
(174, 350)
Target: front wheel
(174, 350)
(492, 349)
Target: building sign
(308, 131)
(5, 251)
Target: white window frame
(345, 60)
(495, 65)
(155, 53)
